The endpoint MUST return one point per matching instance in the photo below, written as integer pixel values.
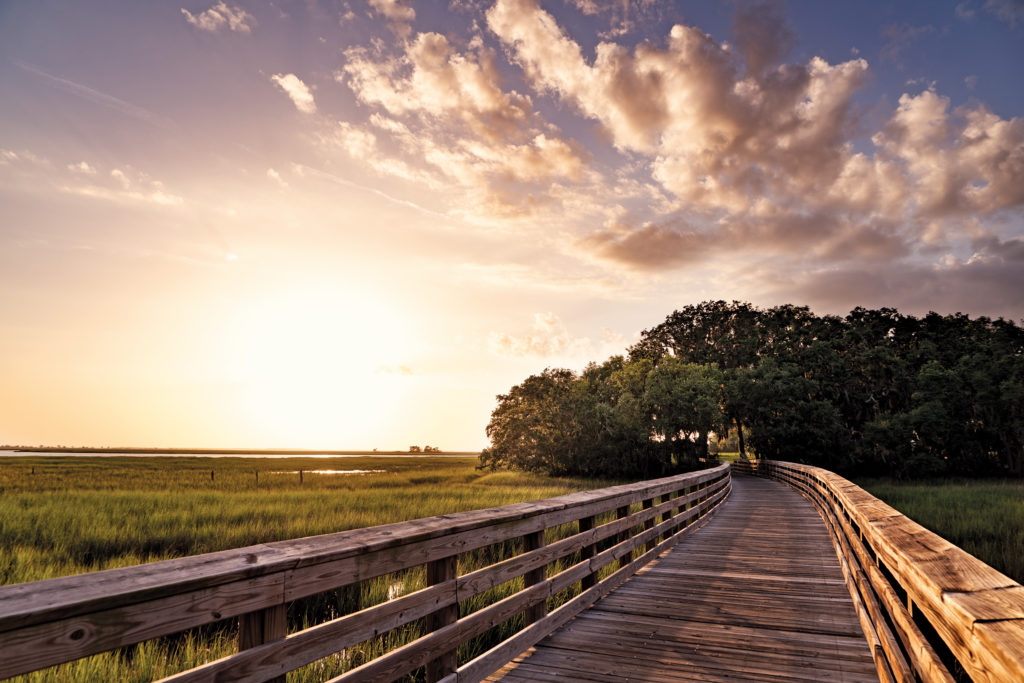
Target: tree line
(876, 392)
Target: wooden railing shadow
(930, 611)
(621, 528)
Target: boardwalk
(757, 594)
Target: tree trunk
(739, 433)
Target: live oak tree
(874, 392)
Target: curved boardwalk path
(756, 595)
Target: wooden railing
(59, 620)
(926, 606)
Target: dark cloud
(762, 35)
(736, 152)
(879, 242)
(991, 249)
(991, 289)
(648, 247)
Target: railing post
(587, 552)
(263, 626)
(649, 524)
(666, 515)
(622, 513)
(534, 541)
(440, 571)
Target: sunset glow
(347, 225)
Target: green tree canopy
(876, 392)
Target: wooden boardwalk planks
(756, 595)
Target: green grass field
(984, 517)
(67, 515)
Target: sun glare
(306, 363)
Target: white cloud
(434, 80)
(37, 174)
(964, 163)
(548, 338)
(82, 167)
(276, 177)
(298, 91)
(219, 16)
(360, 143)
(400, 16)
(455, 124)
(757, 155)
(128, 186)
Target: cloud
(967, 162)
(964, 12)
(547, 338)
(92, 95)
(651, 246)
(400, 16)
(276, 177)
(762, 36)
(82, 167)
(432, 79)
(219, 16)
(900, 37)
(622, 17)
(1009, 12)
(717, 137)
(823, 236)
(983, 288)
(126, 185)
(361, 144)
(757, 156)
(454, 125)
(298, 91)
(383, 195)
(402, 370)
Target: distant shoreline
(224, 451)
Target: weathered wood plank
(41, 601)
(691, 614)
(532, 542)
(49, 622)
(920, 653)
(264, 626)
(308, 645)
(587, 551)
(43, 645)
(939, 578)
(438, 572)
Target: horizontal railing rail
(923, 602)
(50, 622)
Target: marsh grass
(984, 517)
(68, 515)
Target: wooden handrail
(924, 601)
(49, 622)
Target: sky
(351, 224)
